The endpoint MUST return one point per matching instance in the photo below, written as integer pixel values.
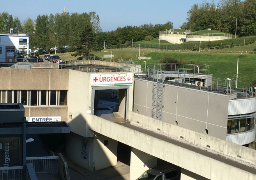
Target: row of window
(34, 97)
(240, 125)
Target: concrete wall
(104, 152)
(140, 162)
(172, 38)
(91, 153)
(79, 102)
(189, 108)
(242, 137)
(79, 115)
(197, 163)
(80, 150)
(242, 106)
(47, 111)
(203, 140)
(37, 79)
(176, 38)
(122, 101)
(33, 79)
(198, 38)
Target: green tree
(17, 28)
(28, 28)
(248, 26)
(41, 31)
(82, 34)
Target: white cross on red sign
(111, 79)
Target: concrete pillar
(140, 162)
(104, 152)
(187, 175)
(122, 101)
(93, 153)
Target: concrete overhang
(35, 128)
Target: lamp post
(111, 57)
(197, 69)
(145, 65)
(139, 50)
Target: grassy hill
(222, 62)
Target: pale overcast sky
(112, 13)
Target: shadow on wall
(93, 152)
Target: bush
(148, 38)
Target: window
(9, 96)
(243, 125)
(33, 98)
(63, 97)
(43, 97)
(0, 48)
(52, 98)
(234, 126)
(15, 96)
(24, 96)
(4, 100)
(22, 41)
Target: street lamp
(29, 140)
(139, 50)
(145, 65)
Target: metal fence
(11, 173)
(48, 164)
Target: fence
(11, 173)
(48, 164)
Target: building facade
(11, 45)
(72, 95)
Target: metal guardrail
(48, 164)
(63, 168)
(11, 173)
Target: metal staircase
(157, 95)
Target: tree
(17, 28)
(41, 32)
(82, 34)
(28, 28)
(249, 18)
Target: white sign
(111, 79)
(44, 119)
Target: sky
(112, 13)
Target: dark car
(46, 57)
(156, 174)
(39, 59)
(54, 58)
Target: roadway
(184, 145)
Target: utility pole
(237, 71)
(236, 28)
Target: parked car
(39, 59)
(54, 58)
(157, 174)
(46, 57)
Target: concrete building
(179, 38)
(11, 44)
(72, 96)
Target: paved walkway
(119, 172)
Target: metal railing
(11, 173)
(48, 164)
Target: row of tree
(229, 16)
(81, 32)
